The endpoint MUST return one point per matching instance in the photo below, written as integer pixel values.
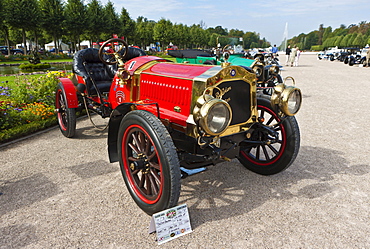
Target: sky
(268, 18)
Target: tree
(218, 30)
(95, 21)
(4, 29)
(345, 41)
(111, 20)
(144, 31)
(338, 41)
(254, 45)
(127, 25)
(359, 41)
(163, 32)
(311, 39)
(213, 40)
(251, 40)
(327, 33)
(75, 21)
(181, 35)
(340, 31)
(23, 15)
(352, 39)
(202, 25)
(199, 37)
(321, 34)
(236, 33)
(52, 19)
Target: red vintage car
(165, 117)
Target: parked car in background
(53, 50)
(359, 57)
(330, 54)
(4, 50)
(268, 75)
(347, 53)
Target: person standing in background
(298, 53)
(274, 50)
(292, 56)
(367, 58)
(287, 55)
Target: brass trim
(215, 76)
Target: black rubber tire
(143, 139)
(351, 62)
(66, 116)
(286, 150)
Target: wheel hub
(141, 164)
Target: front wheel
(66, 116)
(272, 158)
(351, 62)
(149, 162)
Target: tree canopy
(72, 21)
(354, 35)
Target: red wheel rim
(267, 154)
(61, 106)
(142, 164)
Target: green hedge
(317, 48)
(29, 66)
(26, 129)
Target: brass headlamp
(212, 114)
(287, 98)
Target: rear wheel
(272, 158)
(66, 116)
(149, 162)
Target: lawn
(9, 80)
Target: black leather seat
(86, 63)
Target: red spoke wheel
(149, 162)
(66, 116)
(272, 158)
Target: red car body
(164, 116)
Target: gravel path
(63, 193)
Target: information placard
(171, 223)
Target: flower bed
(27, 105)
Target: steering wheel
(113, 55)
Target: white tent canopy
(62, 45)
(85, 43)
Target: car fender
(70, 91)
(113, 127)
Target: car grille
(239, 98)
